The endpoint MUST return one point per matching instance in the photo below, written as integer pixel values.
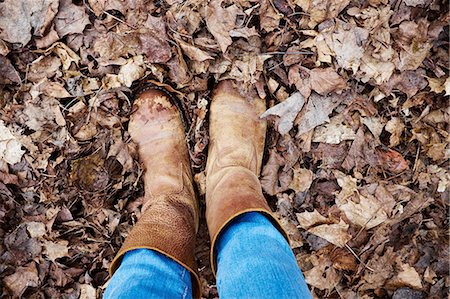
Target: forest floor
(356, 163)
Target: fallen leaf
(10, 148)
(268, 17)
(50, 89)
(287, 111)
(269, 176)
(348, 44)
(36, 229)
(436, 84)
(43, 67)
(66, 55)
(21, 19)
(375, 125)
(396, 127)
(221, 29)
(409, 82)
(322, 276)
(193, 52)
(9, 73)
(408, 276)
(55, 250)
(336, 234)
(244, 32)
(391, 160)
(322, 10)
(70, 18)
(301, 180)
(447, 86)
(376, 70)
(333, 133)
(22, 278)
(87, 292)
(316, 111)
(325, 81)
(133, 70)
(309, 219)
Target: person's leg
(255, 261)
(169, 216)
(254, 258)
(145, 273)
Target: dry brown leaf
(301, 180)
(375, 126)
(43, 67)
(36, 229)
(10, 148)
(268, 17)
(9, 75)
(55, 250)
(447, 86)
(395, 126)
(436, 84)
(269, 175)
(21, 19)
(22, 278)
(391, 160)
(409, 82)
(66, 55)
(316, 111)
(336, 234)
(348, 44)
(50, 89)
(70, 19)
(244, 32)
(322, 10)
(333, 133)
(221, 21)
(325, 81)
(193, 52)
(309, 219)
(132, 70)
(383, 270)
(407, 276)
(287, 111)
(322, 276)
(372, 69)
(87, 292)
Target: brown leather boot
(235, 154)
(169, 218)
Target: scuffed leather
(169, 216)
(237, 137)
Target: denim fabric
(253, 260)
(145, 273)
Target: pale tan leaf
(325, 81)
(334, 233)
(55, 250)
(308, 219)
(10, 148)
(395, 126)
(133, 70)
(70, 19)
(220, 22)
(19, 18)
(302, 179)
(287, 111)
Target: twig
(357, 257)
(288, 53)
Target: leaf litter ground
(356, 163)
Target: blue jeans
(253, 261)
